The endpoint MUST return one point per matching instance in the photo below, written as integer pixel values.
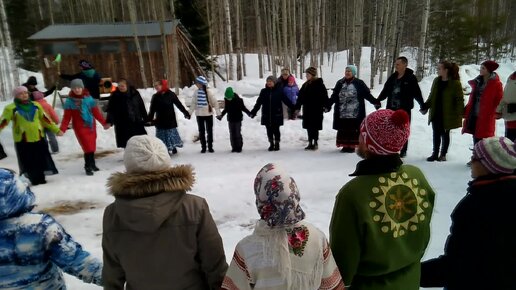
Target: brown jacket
(158, 237)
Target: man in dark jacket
(234, 106)
(89, 76)
(155, 235)
(480, 252)
(400, 90)
(31, 84)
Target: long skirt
(170, 137)
(347, 136)
(34, 160)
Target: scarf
(26, 109)
(89, 73)
(84, 104)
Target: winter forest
(207, 144)
(286, 32)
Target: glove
(378, 106)
(252, 115)
(423, 111)
(187, 116)
(219, 117)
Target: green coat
(33, 131)
(453, 104)
(380, 226)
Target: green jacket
(380, 225)
(452, 102)
(31, 130)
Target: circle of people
(157, 236)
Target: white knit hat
(144, 153)
(497, 154)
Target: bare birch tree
(11, 62)
(422, 41)
(132, 15)
(229, 39)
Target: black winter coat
(480, 252)
(409, 90)
(363, 92)
(272, 111)
(127, 112)
(234, 109)
(313, 97)
(162, 104)
(92, 84)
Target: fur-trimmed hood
(145, 200)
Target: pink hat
(37, 95)
(19, 90)
(291, 78)
(385, 131)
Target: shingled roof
(76, 31)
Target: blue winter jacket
(34, 247)
(291, 92)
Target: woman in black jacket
(271, 98)
(480, 251)
(348, 96)
(126, 111)
(162, 105)
(313, 97)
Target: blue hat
(15, 196)
(202, 80)
(353, 69)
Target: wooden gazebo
(166, 51)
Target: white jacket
(509, 97)
(205, 111)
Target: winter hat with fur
(353, 69)
(385, 131)
(271, 78)
(497, 154)
(144, 153)
(76, 83)
(311, 70)
(202, 80)
(277, 197)
(490, 65)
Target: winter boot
(271, 147)
(442, 157)
(310, 146)
(432, 157)
(210, 148)
(276, 145)
(203, 145)
(316, 146)
(93, 166)
(87, 164)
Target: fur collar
(135, 185)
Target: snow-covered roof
(75, 31)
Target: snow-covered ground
(225, 179)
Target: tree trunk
(422, 40)
(229, 39)
(284, 30)
(132, 15)
(210, 33)
(373, 43)
(238, 42)
(11, 63)
(259, 43)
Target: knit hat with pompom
(385, 131)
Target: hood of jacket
(16, 198)
(144, 201)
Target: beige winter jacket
(156, 236)
(509, 98)
(205, 111)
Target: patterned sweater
(308, 254)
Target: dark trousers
(31, 157)
(235, 135)
(205, 125)
(405, 146)
(313, 135)
(511, 133)
(2, 152)
(273, 133)
(439, 133)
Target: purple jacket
(291, 93)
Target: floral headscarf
(277, 197)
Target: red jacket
(86, 135)
(489, 100)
